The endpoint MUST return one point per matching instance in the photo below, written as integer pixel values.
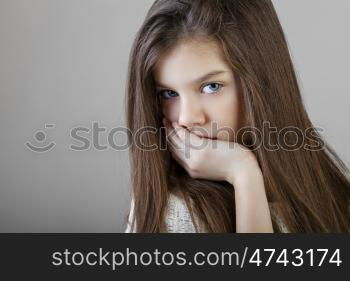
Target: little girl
(219, 137)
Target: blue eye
(167, 94)
(212, 87)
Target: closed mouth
(213, 138)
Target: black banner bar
(139, 255)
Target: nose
(191, 113)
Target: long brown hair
(310, 186)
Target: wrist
(246, 178)
(242, 167)
(243, 164)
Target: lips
(211, 138)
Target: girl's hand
(210, 159)
(221, 160)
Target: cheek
(170, 110)
(225, 110)
(226, 113)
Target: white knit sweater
(178, 219)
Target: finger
(176, 146)
(187, 137)
(179, 131)
(177, 142)
(178, 157)
(173, 140)
(181, 150)
(168, 129)
(182, 137)
(172, 136)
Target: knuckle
(192, 173)
(193, 166)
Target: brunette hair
(309, 186)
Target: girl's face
(198, 90)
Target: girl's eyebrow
(201, 78)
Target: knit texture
(178, 218)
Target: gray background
(64, 63)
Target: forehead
(188, 60)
